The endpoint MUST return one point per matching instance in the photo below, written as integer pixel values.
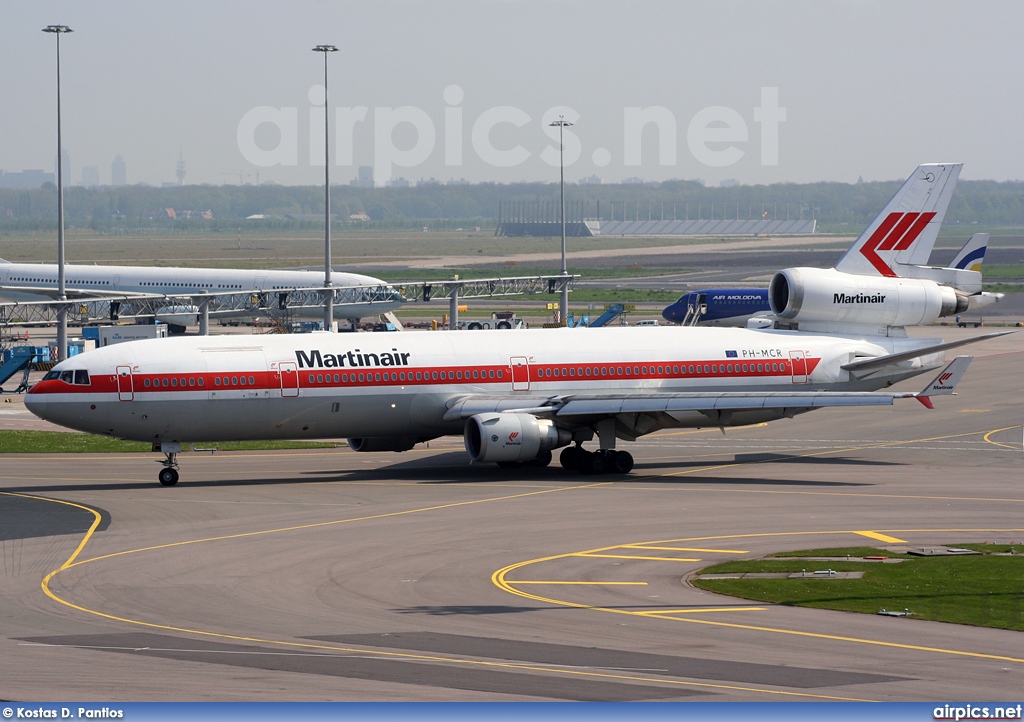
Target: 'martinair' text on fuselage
(858, 298)
(350, 359)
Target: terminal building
(541, 219)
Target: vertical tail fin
(904, 232)
(972, 254)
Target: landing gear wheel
(541, 460)
(595, 463)
(168, 477)
(570, 457)
(621, 462)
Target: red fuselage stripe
(322, 378)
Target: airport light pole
(62, 296)
(563, 304)
(328, 293)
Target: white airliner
(34, 281)
(516, 397)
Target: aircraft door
(520, 373)
(125, 387)
(799, 365)
(289, 378)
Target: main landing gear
(168, 475)
(604, 461)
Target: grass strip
(984, 590)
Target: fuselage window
(216, 380)
(714, 368)
(344, 378)
(490, 373)
(775, 367)
(319, 379)
(604, 370)
(636, 370)
(572, 372)
(360, 378)
(760, 368)
(458, 375)
(312, 378)
(252, 380)
(707, 369)
(201, 382)
(174, 382)
(557, 374)
(376, 377)
(241, 381)
(146, 383)
(191, 381)
(336, 378)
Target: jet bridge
(276, 304)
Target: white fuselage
(33, 281)
(386, 385)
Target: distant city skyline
(791, 91)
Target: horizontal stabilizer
(945, 383)
(878, 362)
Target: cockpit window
(78, 377)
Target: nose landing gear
(168, 475)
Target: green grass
(841, 552)
(61, 442)
(981, 590)
(998, 271)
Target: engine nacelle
(818, 295)
(511, 437)
(382, 443)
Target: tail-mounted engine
(511, 437)
(818, 297)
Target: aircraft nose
(673, 314)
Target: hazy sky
(466, 88)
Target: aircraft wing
(597, 405)
(876, 362)
(715, 405)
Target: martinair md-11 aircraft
(750, 307)
(516, 397)
(35, 281)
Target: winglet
(945, 383)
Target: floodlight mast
(328, 293)
(563, 304)
(62, 296)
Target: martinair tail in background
(880, 274)
(515, 397)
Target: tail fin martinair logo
(896, 233)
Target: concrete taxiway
(331, 575)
